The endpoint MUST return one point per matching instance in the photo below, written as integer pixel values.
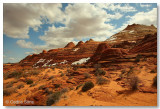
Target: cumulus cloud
(19, 17)
(81, 21)
(90, 21)
(145, 18)
(117, 7)
(24, 44)
(145, 5)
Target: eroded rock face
(134, 38)
(148, 44)
(132, 33)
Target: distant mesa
(70, 45)
(80, 43)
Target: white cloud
(90, 21)
(145, 18)
(12, 59)
(117, 7)
(19, 17)
(145, 5)
(24, 44)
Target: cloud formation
(80, 21)
(19, 17)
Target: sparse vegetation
(51, 77)
(152, 71)
(20, 86)
(48, 91)
(32, 85)
(8, 91)
(133, 83)
(87, 86)
(101, 80)
(86, 75)
(41, 87)
(99, 72)
(57, 85)
(138, 57)
(155, 81)
(79, 86)
(54, 97)
(14, 74)
(29, 81)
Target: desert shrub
(100, 80)
(51, 77)
(87, 86)
(14, 74)
(86, 75)
(57, 85)
(133, 83)
(62, 74)
(79, 86)
(99, 72)
(152, 71)
(96, 66)
(41, 87)
(8, 85)
(8, 91)
(122, 74)
(64, 90)
(138, 57)
(130, 71)
(29, 81)
(48, 91)
(154, 84)
(53, 98)
(32, 85)
(75, 68)
(20, 86)
(70, 77)
(35, 72)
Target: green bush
(29, 81)
(32, 85)
(86, 75)
(8, 91)
(99, 72)
(79, 86)
(41, 87)
(133, 83)
(14, 74)
(57, 85)
(48, 91)
(20, 86)
(87, 86)
(51, 77)
(152, 71)
(155, 81)
(101, 80)
(53, 98)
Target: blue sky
(30, 28)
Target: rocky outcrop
(80, 44)
(70, 45)
(148, 44)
